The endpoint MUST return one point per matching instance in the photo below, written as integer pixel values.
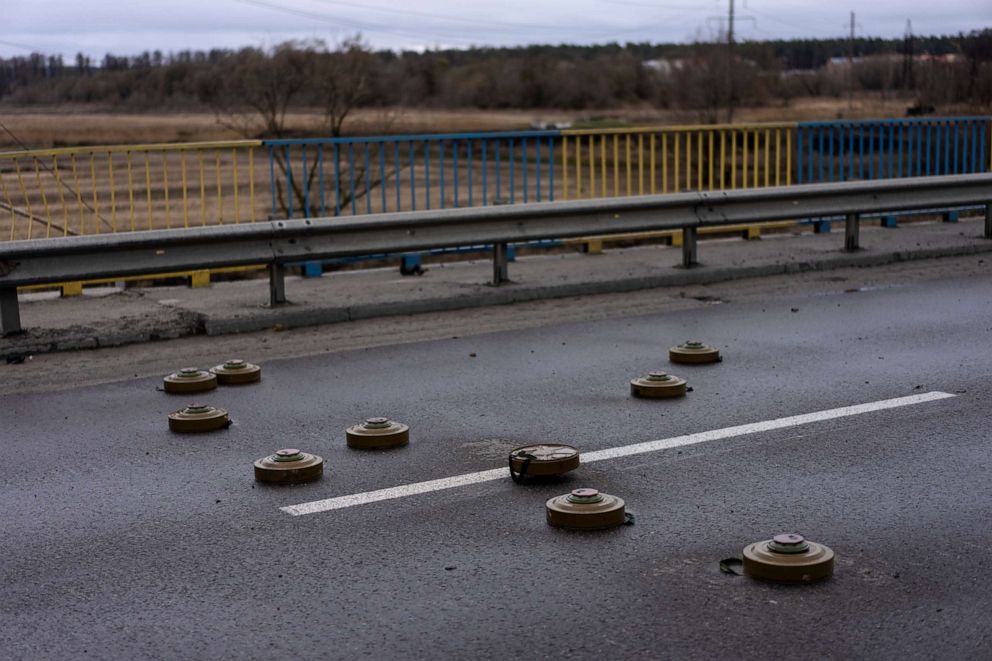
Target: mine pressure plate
(198, 418)
(585, 509)
(289, 466)
(788, 558)
(190, 379)
(236, 371)
(658, 384)
(694, 352)
(376, 434)
(542, 459)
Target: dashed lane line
(407, 490)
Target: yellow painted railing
(89, 190)
(670, 159)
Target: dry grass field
(44, 127)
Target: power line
(648, 5)
(462, 19)
(769, 17)
(350, 24)
(14, 44)
(374, 27)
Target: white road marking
(415, 488)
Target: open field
(45, 127)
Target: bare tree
(253, 92)
(343, 79)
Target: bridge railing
(892, 148)
(323, 177)
(643, 161)
(352, 176)
(106, 189)
(124, 188)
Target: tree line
(254, 88)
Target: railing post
(10, 314)
(689, 254)
(988, 220)
(851, 228)
(277, 284)
(501, 268)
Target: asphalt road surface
(119, 539)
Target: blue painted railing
(349, 176)
(882, 149)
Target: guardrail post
(501, 268)
(988, 220)
(10, 313)
(277, 284)
(851, 232)
(689, 254)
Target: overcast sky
(126, 27)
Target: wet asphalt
(120, 539)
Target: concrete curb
(511, 293)
(118, 332)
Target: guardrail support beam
(501, 265)
(689, 253)
(10, 313)
(988, 220)
(277, 284)
(851, 232)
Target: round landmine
(788, 558)
(198, 418)
(377, 434)
(289, 466)
(658, 384)
(694, 352)
(542, 460)
(190, 379)
(585, 509)
(235, 372)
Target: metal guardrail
(276, 243)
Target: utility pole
(907, 58)
(730, 64)
(850, 67)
